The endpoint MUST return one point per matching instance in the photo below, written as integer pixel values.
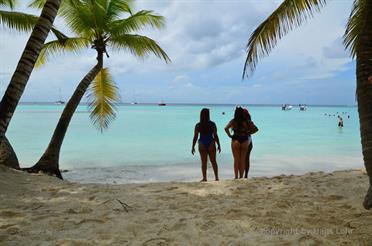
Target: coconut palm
(98, 25)
(14, 91)
(357, 39)
(21, 22)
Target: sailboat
(162, 103)
(60, 98)
(134, 102)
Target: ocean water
(148, 143)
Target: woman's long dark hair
(204, 121)
(247, 115)
(239, 117)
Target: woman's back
(206, 129)
(240, 128)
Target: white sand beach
(315, 208)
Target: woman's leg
(212, 158)
(204, 158)
(243, 155)
(247, 160)
(235, 147)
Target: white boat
(133, 103)
(286, 107)
(303, 107)
(60, 98)
(59, 102)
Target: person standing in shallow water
(207, 130)
(253, 129)
(240, 141)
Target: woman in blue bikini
(207, 130)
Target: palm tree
(357, 38)
(98, 25)
(13, 93)
(21, 22)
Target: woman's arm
(253, 128)
(216, 138)
(227, 129)
(196, 132)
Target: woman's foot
(217, 179)
(203, 180)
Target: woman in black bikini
(252, 130)
(240, 140)
(207, 130)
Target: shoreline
(191, 172)
(315, 208)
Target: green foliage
(59, 46)
(138, 45)
(38, 3)
(355, 25)
(17, 20)
(136, 22)
(103, 96)
(8, 3)
(289, 15)
(101, 21)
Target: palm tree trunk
(364, 95)
(49, 161)
(26, 64)
(7, 155)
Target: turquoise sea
(148, 143)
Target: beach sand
(315, 208)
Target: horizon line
(199, 104)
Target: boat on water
(302, 107)
(60, 98)
(134, 103)
(286, 107)
(162, 103)
(59, 102)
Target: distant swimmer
(340, 122)
(223, 113)
(348, 116)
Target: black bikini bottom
(240, 139)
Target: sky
(206, 41)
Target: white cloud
(206, 42)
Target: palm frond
(60, 46)
(136, 22)
(103, 94)
(8, 3)
(289, 15)
(19, 21)
(355, 25)
(59, 35)
(138, 45)
(39, 4)
(116, 8)
(85, 18)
